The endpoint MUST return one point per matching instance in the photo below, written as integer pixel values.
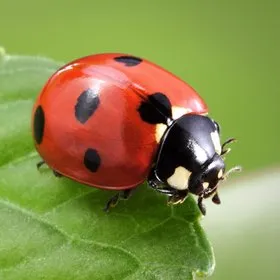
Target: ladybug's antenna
(225, 151)
(232, 170)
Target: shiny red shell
(121, 146)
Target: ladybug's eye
(217, 126)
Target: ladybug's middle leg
(113, 201)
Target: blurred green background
(227, 50)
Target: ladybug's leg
(216, 198)
(175, 196)
(201, 205)
(227, 150)
(40, 163)
(159, 186)
(205, 194)
(56, 174)
(153, 181)
(166, 190)
(113, 201)
(178, 197)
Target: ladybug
(113, 120)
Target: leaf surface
(54, 228)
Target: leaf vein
(67, 236)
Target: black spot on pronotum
(86, 105)
(39, 124)
(155, 109)
(92, 160)
(128, 60)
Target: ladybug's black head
(190, 158)
(204, 182)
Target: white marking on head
(220, 174)
(205, 185)
(178, 112)
(160, 129)
(216, 142)
(179, 179)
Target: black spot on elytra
(39, 124)
(156, 109)
(92, 160)
(86, 105)
(128, 60)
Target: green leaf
(54, 228)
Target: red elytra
(88, 124)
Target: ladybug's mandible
(113, 121)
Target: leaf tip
(202, 273)
(199, 274)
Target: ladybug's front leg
(178, 197)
